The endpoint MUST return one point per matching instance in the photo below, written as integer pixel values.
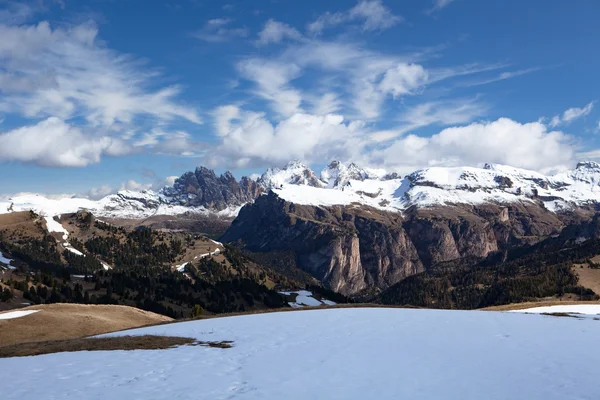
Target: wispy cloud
(438, 5)
(373, 15)
(500, 77)
(440, 113)
(273, 83)
(275, 32)
(571, 115)
(219, 30)
(65, 74)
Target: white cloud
(328, 103)
(571, 115)
(403, 79)
(217, 31)
(248, 139)
(366, 78)
(502, 76)
(272, 79)
(538, 149)
(64, 75)
(97, 193)
(438, 5)
(253, 140)
(14, 13)
(275, 32)
(176, 143)
(79, 76)
(55, 143)
(442, 113)
(375, 16)
(135, 186)
(100, 192)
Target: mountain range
(203, 192)
(359, 230)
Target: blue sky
(101, 95)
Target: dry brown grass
(69, 321)
(147, 342)
(588, 277)
(18, 225)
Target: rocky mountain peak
(588, 165)
(203, 188)
(294, 173)
(337, 175)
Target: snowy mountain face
(295, 173)
(341, 184)
(203, 192)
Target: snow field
(334, 354)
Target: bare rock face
(204, 188)
(354, 249)
(346, 248)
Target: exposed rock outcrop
(356, 248)
(204, 188)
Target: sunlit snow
(387, 354)
(16, 314)
(586, 309)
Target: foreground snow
(16, 314)
(334, 354)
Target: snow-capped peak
(588, 165)
(294, 173)
(338, 175)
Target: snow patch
(585, 309)
(16, 314)
(5, 260)
(304, 298)
(54, 226)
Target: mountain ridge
(203, 192)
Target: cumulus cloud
(55, 143)
(249, 139)
(218, 30)
(373, 14)
(252, 140)
(571, 115)
(477, 143)
(275, 32)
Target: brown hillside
(67, 321)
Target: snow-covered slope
(333, 354)
(124, 204)
(571, 309)
(340, 184)
(294, 173)
(445, 186)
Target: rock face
(346, 248)
(356, 249)
(204, 188)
